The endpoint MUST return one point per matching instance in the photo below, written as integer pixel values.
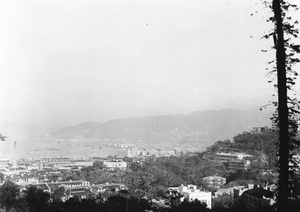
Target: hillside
(198, 127)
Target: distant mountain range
(198, 127)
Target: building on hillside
(68, 184)
(173, 189)
(96, 159)
(33, 166)
(236, 165)
(239, 190)
(225, 157)
(257, 198)
(13, 174)
(59, 162)
(222, 191)
(191, 193)
(214, 181)
(67, 163)
(23, 163)
(259, 130)
(81, 192)
(25, 181)
(140, 152)
(110, 187)
(83, 163)
(114, 165)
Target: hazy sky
(67, 62)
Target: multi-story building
(191, 193)
(25, 180)
(80, 189)
(59, 162)
(95, 159)
(236, 165)
(225, 157)
(67, 162)
(214, 181)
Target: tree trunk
(283, 190)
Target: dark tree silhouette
(283, 118)
(9, 193)
(287, 108)
(194, 206)
(36, 199)
(59, 193)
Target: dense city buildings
(220, 173)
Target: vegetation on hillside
(150, 178)
(154, 175)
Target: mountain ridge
(192, 128)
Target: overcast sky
(67, 62)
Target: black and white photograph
(149, 106)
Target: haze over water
(39, 148)
(67, 62)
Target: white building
(83, 163)
(26, 181)
(225, 157)
(191, 193)
(70, 184)
(113, 165)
